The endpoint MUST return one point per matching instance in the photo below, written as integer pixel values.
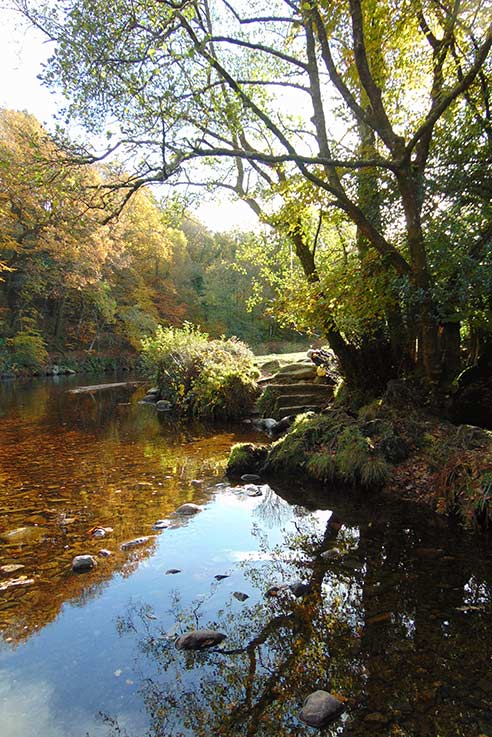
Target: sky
(22, 53)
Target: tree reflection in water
(402, 637)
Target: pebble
(199, 640)
(82, 563)
(240, 596)
(161, 524)
(104, 553)
(320, 708)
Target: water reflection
(397, 623)
(399, 630)
(70, 462)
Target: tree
(194, 84)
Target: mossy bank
(386, 448)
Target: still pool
(395, 619)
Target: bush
(201, 377)
(28, 350)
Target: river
(395, 621)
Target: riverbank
(388, 445)
(76, 362)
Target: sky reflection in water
(399, 627)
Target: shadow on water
(396, 622)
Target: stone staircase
(294, 389)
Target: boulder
(320, 708)
(199, 640)
(83, 563)
(188, 509)
(264, 424)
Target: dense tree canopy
(374, 113)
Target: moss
(246, 458)
(322, 466)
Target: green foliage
(201, 377)
(28, 350)
(322, 466)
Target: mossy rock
(246, 458)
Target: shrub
(201, 377)
(28, 350)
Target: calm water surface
(397, 623)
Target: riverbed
(394, 619)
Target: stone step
(301, 400)
(287, 411)
(300, 388)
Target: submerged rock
(134, 543)
(22, 535)
(320, 708)
(11, 567)
(172, 571)
(12, 582)
(199, 640)
(188, 509)
(82, 563)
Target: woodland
(359, 132)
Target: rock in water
(240, 596)
(199, 640)
(252, 478)
(332, 554)
(320, 708)
(188, 509)
(23, 535)
(82, 563)
(134, 543)
(299, 589)
(172, 571)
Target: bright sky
(22, 53)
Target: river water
(396, 622)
